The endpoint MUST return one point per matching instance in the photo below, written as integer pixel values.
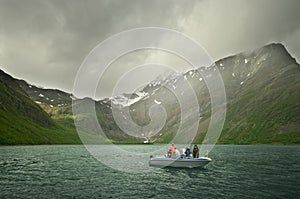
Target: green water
(66, 171)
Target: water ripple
(70, 172)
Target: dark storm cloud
(45, 42)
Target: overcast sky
(45, 41)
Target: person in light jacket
(172, 150)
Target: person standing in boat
(172, 149)
(195, 151)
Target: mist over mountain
(263, 105)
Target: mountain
(23, 121)
(58, 105)
(263, 99)
(263, 106)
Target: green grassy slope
(265, 108)
(24, 122)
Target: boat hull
(179, 162)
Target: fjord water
(69, 171)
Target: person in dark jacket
(195, 151)
(187, 152)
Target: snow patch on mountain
(157, 102)
(125, 101)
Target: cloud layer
(44, 42)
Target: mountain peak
(274, 49)
(274, 45)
